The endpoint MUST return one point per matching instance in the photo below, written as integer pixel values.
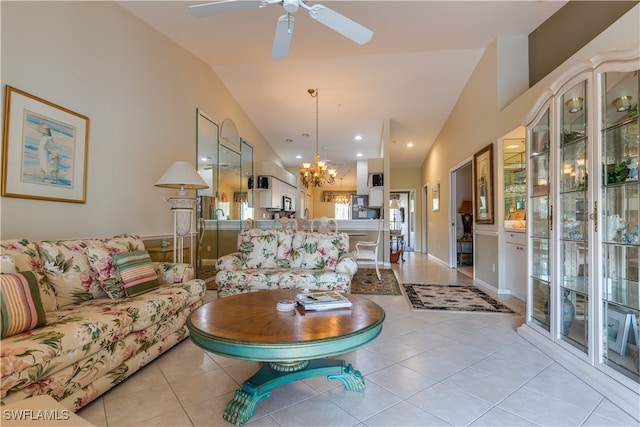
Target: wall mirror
(226, 163)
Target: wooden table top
(248, 326)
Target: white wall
(140, 92)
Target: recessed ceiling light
(358, 154)
(410, 144)
(298, 156)
(358, 137)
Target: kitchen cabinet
(375, 197)
(515, 262)
(271, 198)
(583, 213)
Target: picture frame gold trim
(483, 185)
(44, 149)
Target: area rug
(366, 282)
(452, 298)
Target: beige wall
(476, 121)
(140, 92)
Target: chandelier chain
(316, 174)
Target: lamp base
(182, 208)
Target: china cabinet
(515, 179)
(583, 211)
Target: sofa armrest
(347, 264)
(169, 272)
(230, 262)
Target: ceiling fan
(284, 27)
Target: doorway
(462, 237)
(402, 219)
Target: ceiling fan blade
(224, 6)
(282, 38)
(340, 23)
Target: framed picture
(619, 326)
(483, 184)
(435, 197)
(45, 148)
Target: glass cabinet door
(573, 218)
(619, 221)
(540, 208)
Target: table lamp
(183, 176)
(393, 204)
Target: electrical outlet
(494, 267)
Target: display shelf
(620, 216)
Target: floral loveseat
(80, 316)
(285, 258)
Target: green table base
(271, 375)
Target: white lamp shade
(393, 204)
(181, 175)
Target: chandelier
(316, 174)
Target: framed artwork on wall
(483, 185)
(45, 150)
(435, 196)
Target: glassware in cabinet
(574, 292)
(619, 222)
(540, 221)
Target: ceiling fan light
(291, 6)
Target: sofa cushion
(101, 252)
(20, 305)
(317, 251)
(67, 266)
(284, 242)
(136, 272)
(26, 258)
(259, 251)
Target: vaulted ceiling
(411, 72)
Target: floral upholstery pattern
(311, 260)
(26, 258)
(67, 266)
(259, 251)
(101, 253)
(88, 346)
(318, 251)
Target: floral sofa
(80, 316)
(285, 258)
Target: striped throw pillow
(136, 272)
(20, 304)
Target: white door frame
(453, 210)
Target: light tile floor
(425, 369)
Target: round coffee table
(293, 345)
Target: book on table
(322, 300)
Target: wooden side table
(396, 241)
(465, 250)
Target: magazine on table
(322, 300)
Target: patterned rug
(452, 298)
(366, 282)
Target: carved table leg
(270, 375)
